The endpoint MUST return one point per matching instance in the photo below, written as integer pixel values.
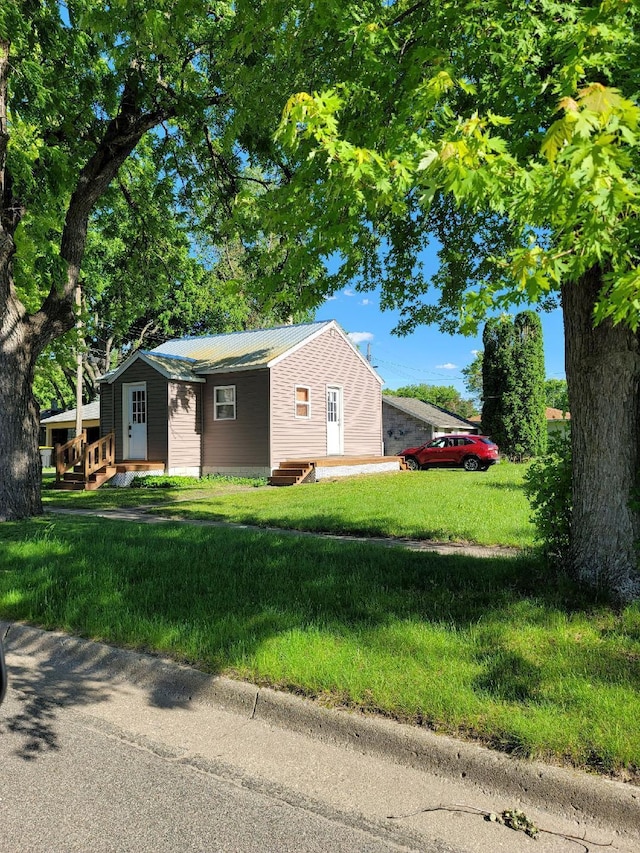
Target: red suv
(472, 452)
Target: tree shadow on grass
(213, 597)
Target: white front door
(135, 421)
(334, 421)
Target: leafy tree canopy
(556, 394)
(507, 130)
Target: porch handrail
(102, 452)
(70, 454)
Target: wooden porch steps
(295, 471)
(75, 481)
(291, 473)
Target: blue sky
(427, 356)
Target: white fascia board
(332, 324)
(113, 375)
(158, 368)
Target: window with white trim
(303, 401)
(224, 403)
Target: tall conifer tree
(513, 385)
(529, 424)
(497, 374)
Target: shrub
(547, 485)
(165, 481)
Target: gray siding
(157, 410)
(326, 360)
(106, 409)
(185, 425)
(244, 442)
(401, 430)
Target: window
(303, 401)
(138, 407)
(224, 403)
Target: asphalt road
(72, 783)
(96, 759)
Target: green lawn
(445, 505)
(489, 648)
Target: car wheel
(471, 463)
(412, 463)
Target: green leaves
(460, 101)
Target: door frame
(340, 400)
(127, 387)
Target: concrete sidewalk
(400, 780)
(154, 516)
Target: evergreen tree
(497, 376)
(529, 436)
(513, 409)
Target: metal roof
(238, 350)
(90, 412)
(172, 367)
(433, 415)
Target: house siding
(107, 424)
(185, 428)
(326, 360)
(240, 445)
(401, 430)
(157, 408)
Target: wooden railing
(102, 452)
(70, 454)
(90, 457)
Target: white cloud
(360, 337)
(348, 292)
(331, 298)
(475, 351)
(447, 366)
(365, 302)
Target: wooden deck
(293, 472)
(137, 465)
(84, 467)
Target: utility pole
(78, 295)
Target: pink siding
(184, 425)
(328, 359)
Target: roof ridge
(242, 332)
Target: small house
(408, 422)
(247, 403)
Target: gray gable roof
(90, 412)
(434, 415)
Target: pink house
(248, 403)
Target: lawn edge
(569, 792)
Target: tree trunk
(603, 378)
(20, 464)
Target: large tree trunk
(23, 336)
(20, 468)
(603, 377)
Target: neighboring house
(242, 403)
(557, 420)
(61, 427)
(407, 422)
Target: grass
(445, 505)
(493, 649)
